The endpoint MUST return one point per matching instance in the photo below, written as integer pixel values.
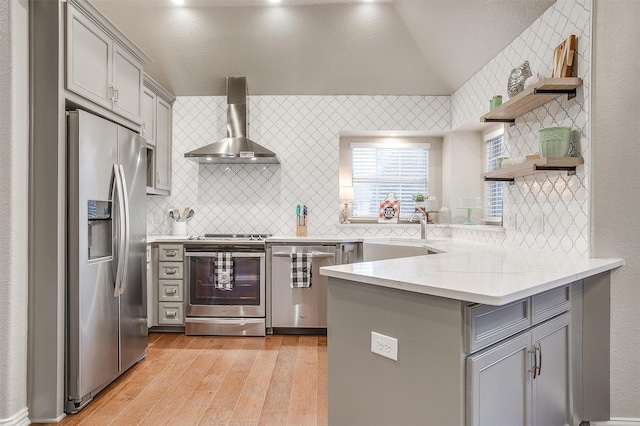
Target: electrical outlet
(384, 345)
(512, 221)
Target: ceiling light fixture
(393, 133)
(274, 1)
(178, 2)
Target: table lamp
(346, 195)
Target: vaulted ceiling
(308, 47)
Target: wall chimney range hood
(236, 147)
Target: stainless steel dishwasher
(299, 310)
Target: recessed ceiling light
(393, 133)
(178, 2)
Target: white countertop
(473, 272)
(274, 239)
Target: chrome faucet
(423, 224)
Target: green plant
(418, 197)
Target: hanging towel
(224, 271)
(300, 270)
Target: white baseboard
(618, 421)
(49, 420)
(19, 419)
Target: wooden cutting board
(563, 57)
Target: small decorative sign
(389, 209)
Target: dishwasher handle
(311, 255)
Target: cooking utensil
(185, 213)
(176, 214)
(171, 216)
(563, 57)
(189, 215)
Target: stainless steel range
(225, 277)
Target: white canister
(179, 229)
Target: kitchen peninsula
(468, 328)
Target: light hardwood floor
(197, 380)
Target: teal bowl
(554, 141)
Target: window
(495, 149)
(378, 169)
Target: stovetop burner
(229, 237)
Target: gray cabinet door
(88, 59)
(149, 115)
(163, 145)
(551, 387)
(127, 79)
(498, 384)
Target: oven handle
(312, 255)
(215, 254)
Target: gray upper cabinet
(102, 66)
(148, 115)
(157, 114)
(89, 51)
(163, 145)
(127, 80)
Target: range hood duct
(236, 147)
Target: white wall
(615, 191)
(562, 200)
(14, 151)
(304, 132)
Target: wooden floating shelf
(532, 167)
(532, 97)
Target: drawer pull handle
(171, 290)
(171, 271)
(539, 349)
(171, 253)
(171, 314)
(534, 370)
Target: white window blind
(378, 169)
(495, 149)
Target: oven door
(244, 298)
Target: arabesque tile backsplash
(551, 209)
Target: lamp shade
(346, 193)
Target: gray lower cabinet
(467, 364)
(523, 381)
(169, 287)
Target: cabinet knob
(171, 314)
(171, 271)
(170, 291)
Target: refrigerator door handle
(120, 230)
(127, 227)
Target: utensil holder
(179, 229)
(301, 230)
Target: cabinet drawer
(485, 324)
(170, 252)
(170, 291)
(170, 270)
(170, 313)
(550, 303)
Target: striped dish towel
(224, 271)
(300, 270)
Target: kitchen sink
(381, 249)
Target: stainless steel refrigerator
(106, 262)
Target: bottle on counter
(444, 215)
